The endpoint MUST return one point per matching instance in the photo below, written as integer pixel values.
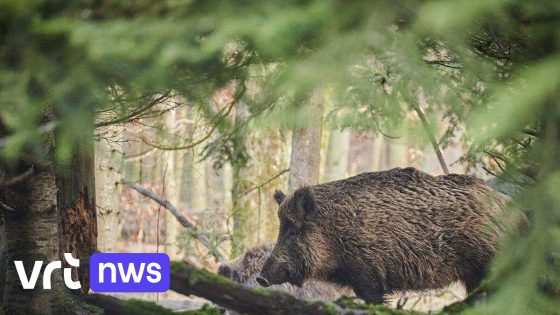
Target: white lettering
(155, 275)
(28, 284)
(47, 274)
(111, 266)
(131, 272)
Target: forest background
(214, 104)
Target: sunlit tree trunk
(386, 151)
(240, 184)
(337, 155)
(215, 190)
(108, 171)
(306, 149)
(173, 171)
(362, 155)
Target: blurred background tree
(205, 102)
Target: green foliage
(486, 69)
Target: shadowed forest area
(189, 127)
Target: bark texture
(30, 233)
(108, 164)
(76, 209)
(306, 146)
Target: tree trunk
(240, 211)
(387, 157)
(362, 157)
(30, 233)
(76, 208)
(172, 184)
(337, 155)
(108, 173)
(306, 149)
(42, 217)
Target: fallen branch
(181, 218)
(231, 295)
(114, 306)
(237, 297)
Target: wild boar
(388, 231)
(246, 268)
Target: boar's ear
(279, 196)
(305, 208)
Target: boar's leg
(367, 288)
(473, 280)
(369, 292)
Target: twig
(181, 218)
(431, 136)
(442, 63)
(17, 179)
(195, 143)
(135, 113)
(533, 133)
(267, 182)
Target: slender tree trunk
(306, 147)
(305, 157)
(361, 157)
(337, 155)
(387, 156)
(215, 192)
(240, 210)
(108, 173)
(172, 188)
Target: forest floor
(425, 302)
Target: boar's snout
(263, 282)
(225, 270)
(274, 274)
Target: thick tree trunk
(76, 208)
(41, 218)
(30, 233)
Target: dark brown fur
(387, 231)
(246, 268)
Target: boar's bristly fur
(387, 231)
(246, 268)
